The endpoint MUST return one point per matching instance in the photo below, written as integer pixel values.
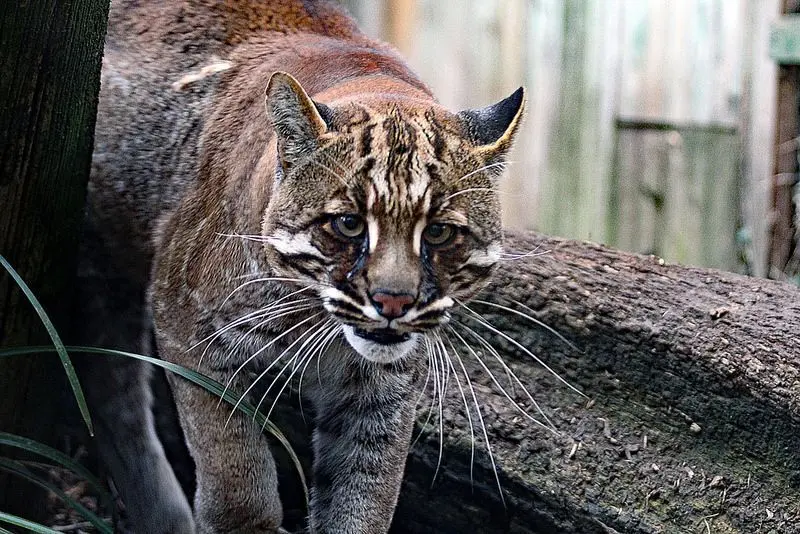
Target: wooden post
(401, 18)
(50, 63)
(784, 177)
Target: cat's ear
(298, 121)
(493, 128)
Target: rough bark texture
(691, 420)
(50, 56)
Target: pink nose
(391, 305)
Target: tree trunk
(50, 62)
(690, 421)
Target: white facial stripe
(485, 258)
(437, 305)
(367, 310)
(418, 188)
(333, 293)
(376, 352)
(372, 229)
(294, 244)
(417, 236)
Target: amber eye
(437, 234)
(349, 226)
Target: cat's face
(389, 211)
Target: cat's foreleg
(237, 487)
(361, 440)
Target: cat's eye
(437, 234)
(349, 226)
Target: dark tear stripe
(305, 263)
(361, 261)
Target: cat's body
(340, 230)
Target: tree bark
(690, 421)
(50, 62)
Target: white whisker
(314, 338)
(271, 307)
(244, 237)
(468, 190)
(326, 342)
(530, 318)
(439, 378)
(267, 316)
(265, 347)
(258, 281)
(548, 425)
(485, 433)
(501, 164)
(479, 318)
(431, 367)
(467, 409)
(507, 256)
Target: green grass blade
(59, 345)
(27, 444)
(24, 523)
(210, 385)
(20, 470)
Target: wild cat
(273, 191)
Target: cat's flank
(282, 199)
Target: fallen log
(690, 421)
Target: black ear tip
(488, 125)
(517, 97)
(511, 104)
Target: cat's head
(389, 208)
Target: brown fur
(183, 168)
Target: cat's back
(162, 69)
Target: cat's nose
(390, 304)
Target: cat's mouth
(383, 336)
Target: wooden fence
(650, 122)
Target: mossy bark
(50, 62)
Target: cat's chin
(380, 351)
